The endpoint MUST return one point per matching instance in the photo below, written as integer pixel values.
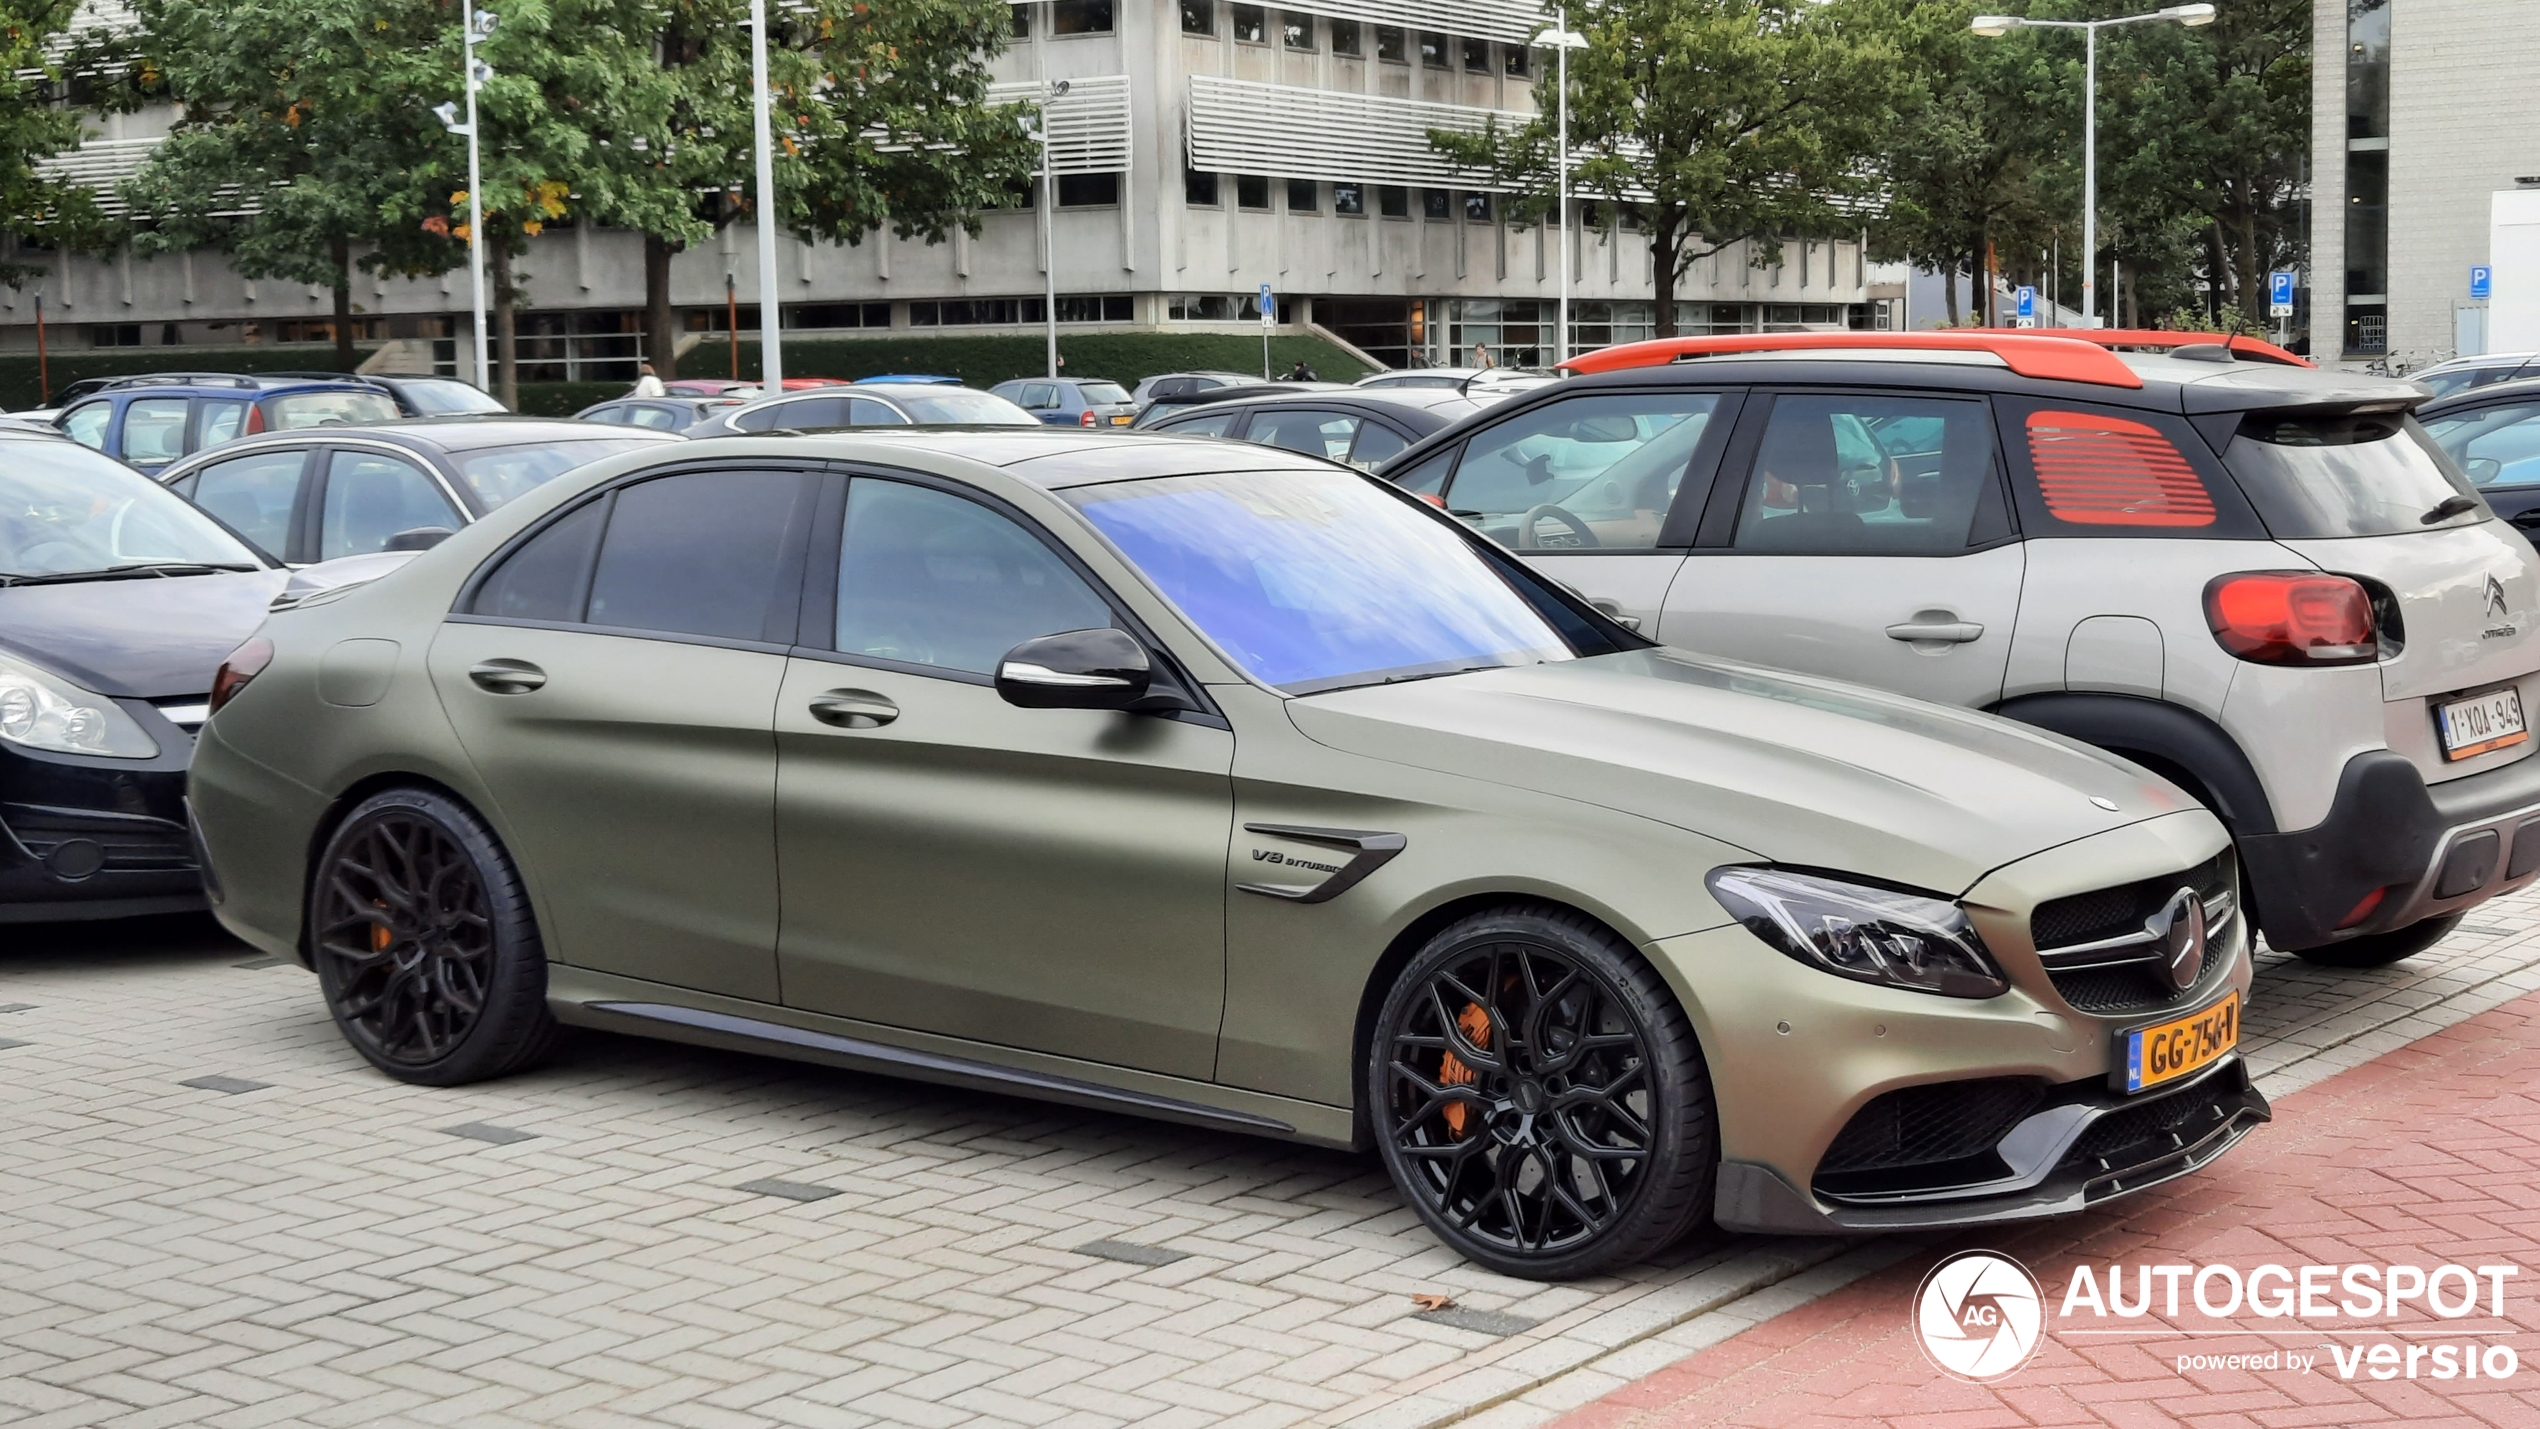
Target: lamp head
(2190, 15)
(1995, 26)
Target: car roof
(2484, 359)
(1053, 458)
(2520, 389)
(226, 382)
(1443, 400)
(459, 432)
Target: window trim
(1677, 529)
(1718, 529)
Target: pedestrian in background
(1481, 355)
(647, 382)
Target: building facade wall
(1450, 262)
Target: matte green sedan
(1219, 784)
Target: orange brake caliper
(1452, 1071)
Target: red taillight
(244, 663)
(255, 418)
(1086, 420)
(1433, 499)
(2292, 618)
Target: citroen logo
(2178, 932)
(2496, 599)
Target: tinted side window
(1582, 473)
(934, 579)
(865, 412)
(698, 554)
(371, 498)
(1869, 475)
(545, 578)
(1376, 445)
(761, 419)
(254, 495)
(1212, 424)
(1323, 434)
(1429, 476)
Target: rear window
(2314, 476)
(1099, 393)
(2097, 469)
(499, 474)
(328, 409)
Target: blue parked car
(909, 379)
(1071, 401)
(151, 421)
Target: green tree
(303, 127)
(36, 39)
(1707, 123)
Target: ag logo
(1978, 1315)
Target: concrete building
(1203, 149)
(2423, 114)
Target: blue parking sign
(2482, 281)
(2280, 293)
(2028, 302)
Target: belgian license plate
(2167, 1051)
(2481, 723)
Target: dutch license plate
(1119, 419)
(2166, 1051)
(2481, 723)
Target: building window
(1437, 204)
(1252, 191)
(836, 315)
(1303, 196)
(1477, 207)
(1296, 31)
(1349, 200)
(1477, 56)
(1345, 37)
(1389, 42)
(1212, 307)
(1020, 193)
(1433, 49)
(2367, 325)
(115, 335)
(2367, 69)
(1107, 308)
(1252, 24)
(1199, 190)
(1088, 190)
(1393, 202)
(1080, 17)
(1517, 60)
(1018, 23)
(1199, 17)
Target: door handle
(1613, 611)
(1951, 632)
(853, 709)
(507, 677)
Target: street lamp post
(1995, 26)
(1049, 222)
(474, 25)
(1563, 40)
(771, 352)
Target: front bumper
(2086, 1145)
(83, 837)
(2428, 850)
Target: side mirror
(419, 538)
(1100, 669)
(2483, 470)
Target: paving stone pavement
(213, 1213)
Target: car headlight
(44, 711)
(1907, 940)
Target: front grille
(1945, 1121)
(126, 843)
(2115, 912)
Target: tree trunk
(1664, 244)
(506, 331)
(661, 337)
(2252, 281)
(343, 256)
(1949, 291)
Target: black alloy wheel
(1538, 1097)
(423, 943)
(2374, 950)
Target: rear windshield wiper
(2447, 508)
(135, 571)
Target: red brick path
(2428, 1155)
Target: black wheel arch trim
(2132, 725)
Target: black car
(1169, 403)
(117, 602)
(673, 413)
(324, 494)
(419, 394)
(2493, 434)
(1361, 426)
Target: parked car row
(1797, 783)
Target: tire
(424, 944)
(1554, 1158)
(2374, 950)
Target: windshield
(2347, 474)
(1099, 393)
(433, 398)
(65, 509)
(954, 406)
(500, 474)
(328, 409)
(1318, 580)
